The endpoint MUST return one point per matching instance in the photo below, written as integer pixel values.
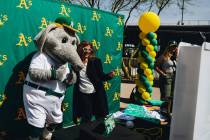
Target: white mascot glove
(58, 74)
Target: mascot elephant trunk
(74, 60)
(67, 54)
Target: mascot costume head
(49, 75)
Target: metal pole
(182, 23)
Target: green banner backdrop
(21, 20)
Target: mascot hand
(61, 73)
(71, 78)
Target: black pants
(89, 106)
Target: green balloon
(150, 35)
(147, 84)
(149, 60)
(154, 42)
(149, 89)
(144, 54)
(156, 48)
(140, 101)
(142, 78)
(152, 65)
(138, 98)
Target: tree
(115, 6)
(181, 4)
(127, 7)
(161, 5)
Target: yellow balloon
(149, 48)
(155, 36)
(142, 35)
(147, 72)
(143, 65)
(145, 42)
(150, 77)
(152, 54)
(141, 90)
(149, 22)
(146, 95)
(151, 83)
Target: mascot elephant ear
(78, 40)
(40, 38)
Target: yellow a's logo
(95, 16)
(107, 85)
(116, 96)
(96, 44)
(65, 106)
(109, 32)
(120, 21)
(119, 46)
(2, 99)
(25, 4)
(3, 19)
(21, 114)
(44, 23)
(81, 28)
(24, 40)
(3, 58)
(108, 59)
(65, 11)
(117, 71)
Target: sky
(196, 10)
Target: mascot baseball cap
(66, 22)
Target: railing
(129, 71)
(130, 67)
(188, 22)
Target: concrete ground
(126, 91)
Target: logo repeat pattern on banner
(21, 20)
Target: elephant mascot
(49, 76)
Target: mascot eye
(64, 40)
(73, 42)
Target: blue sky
(196, 10)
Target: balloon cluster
(149, 22)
